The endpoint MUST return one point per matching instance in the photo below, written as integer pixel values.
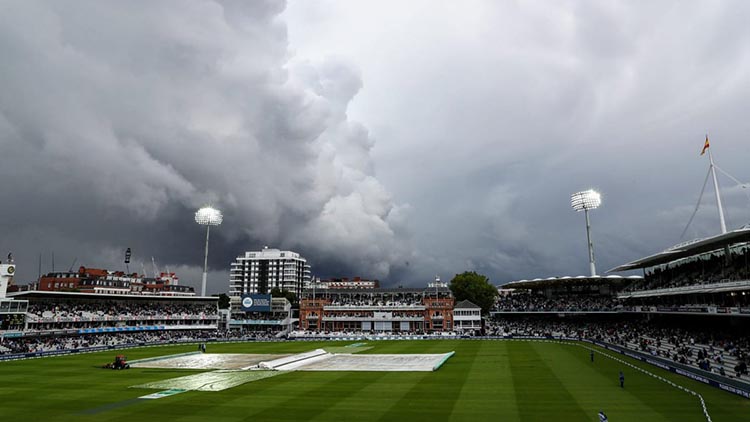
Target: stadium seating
(718, 352)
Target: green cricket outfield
(486, 380)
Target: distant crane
(156, 269)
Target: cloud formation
(490, 114)
(118, 120)
(396, 140)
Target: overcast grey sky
(387, 139)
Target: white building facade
(467, 317)
(261, 271)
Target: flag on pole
(705, 146)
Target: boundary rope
(636, 367)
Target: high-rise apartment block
(261, 271)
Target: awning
(687, 249)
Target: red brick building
(95, 280)
(377, 310)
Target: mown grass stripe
(59, 389)
(540, 395)
(112, 406)
(489, 377)
(363, 397)
(432, 397)
(595, 386)
(657, 382)
(320, 394)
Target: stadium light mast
(207, 216)
(722, 222)
(585, 201)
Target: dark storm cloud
(119, 119)
(506, 108)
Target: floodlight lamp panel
(586, 200)
(208, 216)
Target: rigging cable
(744, 186)
(700, 197)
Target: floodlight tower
(207, 216)
(585, 201)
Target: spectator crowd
(721, 353)
(117, 310)
(708, 268)
(531, 302)
(59, 343)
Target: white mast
(716, 188)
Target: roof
(392, 290)
(687, 249)
(78, 295)
(581, 279)
(466, 304)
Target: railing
(286, 321)
(555, 310)
(690, 309)
(371, 318)
(696, 288)
(37, 319)
(374, 307)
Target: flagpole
(718, 196)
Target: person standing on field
(622, 380)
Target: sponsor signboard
(256, 303)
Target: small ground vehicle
(121, 362)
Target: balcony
(370, 318)
(270, 322)
(33, 319)
(374, 308)
(728, 286)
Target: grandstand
(87, 313)
(687, 311)
(343, 283)
(709, 276)
(276, 318)
(694, 278)
(56, 320)
(577, 295)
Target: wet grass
(483, 381)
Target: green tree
(290, 296)
(475, 288)
(223, 301)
